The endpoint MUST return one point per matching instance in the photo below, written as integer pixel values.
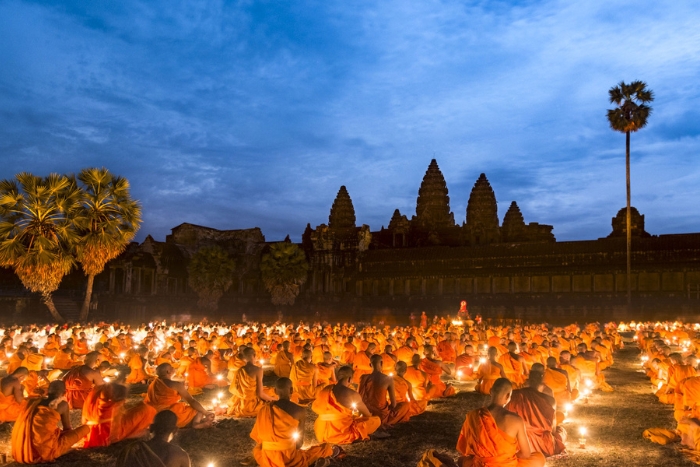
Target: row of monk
(355, 389)
(668, 357)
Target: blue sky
(253, 113)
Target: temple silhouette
(428, 262)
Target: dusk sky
(254, 113)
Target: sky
(249, 114)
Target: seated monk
(80, 381)
(404, 391)
(342, 416)
(434, 369)
(64, 359)
(677, 373)
(349, 353)
(405, 352)
(158, 451)
(12, 395)
(361, 365)
(165, 394)
(489, 372)
(109, 420)
(573, 373)
(235, 363)
(199, 376)
(465, 363)
(446, 349)
(687, 403)
(279, 434)
(283, 361)
(378, 394)
(418, 379)
(137, 365)
(248, 394)
(587, 362)
(557, 380)
(326, 370)
(514, 365)
(494, 436)
(389, 360)
(36, 436)
(304, 377)
(537, 409)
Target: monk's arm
(259, 388)
(314, 380)
(523, 443)
(526, 371)
(64, 411)
(392, 394)
(18, 392)
(409, 393)
(301, 428)
(361, 407)
(503, 372)
(96, 378)
(187, 397)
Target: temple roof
(482, 207)
(433, 203)
(513, 217)
(342, 212)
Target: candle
(295, 435)
(582, 431)
(459, 373)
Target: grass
(615, 423)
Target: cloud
(236, 115)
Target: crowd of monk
(360, 381)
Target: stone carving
(433, 203)
(482, 214)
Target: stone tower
(341, 221)
(619, 224)
(513, 229)
(433, 204)
(482, 214)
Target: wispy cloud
(254, 113)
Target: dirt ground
(615, 422)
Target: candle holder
(582, 431)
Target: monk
(279, 434)
(326, 370)
(109, 420)
(558, 381)
(12, 395)
(165, 394)
(446, 349)
(158, 451)
(63, 360)
(420, 383)
(489, 372)
(494, 436)
(36, 436)
(405, 352)
(81, 379)
(514, 365)
(284, 361)
(361, 365)
(137, 364)
(573, 373)
(434, 369)
(349, 352)
(465, 364)
(246, 388)
(588, 362)
(304, 377)
(389, 360)
(375, 389)
(404, 391)
(199, 376)
(538, 409)
(342, 416)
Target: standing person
(423, 320)
(158, 451)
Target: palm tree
(210, 275)
(284, 269)
(630, 115)
(108, 220)
(38, 232)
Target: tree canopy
(284, 270)
(211, 275)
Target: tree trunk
(48, 301)
(85, 310)
(629, 227)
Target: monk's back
(506, 421)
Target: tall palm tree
(37, 231)
(630, 115)
(108, 220)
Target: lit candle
(459, 373)
(582, 431)
(482, 361)
(219, 377)
(354, 409)
(589, 383)
(220, 395)
(295, 435)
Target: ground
(615, 423)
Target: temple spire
(433, 203)
(482, 214)
(342, 212)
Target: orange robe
(336, 424)
(361, 366)
(416, 407)
(446, 352)
(162, 397)
(419, 382)
(37, 437)
(197, 377)
(108, 419)
(302, 376)
(283, 364)
(77, 388)
(482, 444)
(244, 401)
(687, 401)
(81, 348)
(465, 364)
(63, 361)
(137, 374)
(536, 410)
(513, 369)
(9, 408)
(557, 382)
(325, 374)
(349, 354)
(273, 434)
(376, 400)
(13, 363)
(487, 375)
(587, 368)
(405, 354)
(434, 371)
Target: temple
(428, 262)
